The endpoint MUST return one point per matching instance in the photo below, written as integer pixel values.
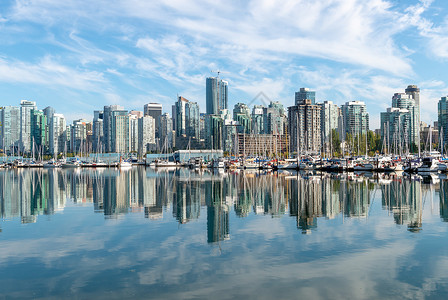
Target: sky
(80, 55)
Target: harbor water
(203, 234)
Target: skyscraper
(216, 95)
(57, 134)
(146, 134)
(38, 130)
(166, 131)
(442, 110)
(154, 110)
(98, 130)
(107, 125)
(303, 94)
(25, 124)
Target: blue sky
(79, 55)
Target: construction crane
(217, 72)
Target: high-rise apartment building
(216, 95)
(133, 132)
(305, 127)
(154, 110)
(166, 131)
(355, 118)
(57, 134)
(146, 134)
(9, 128)
(97, 139)
(25, 124)
(38, 131)
(329, 120)
(442, 111)
(408, 101)
(304, 94)
(108, 126)
(120, 139)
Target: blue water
(166, 234)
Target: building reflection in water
(403, 198)
(28, 193)
(443, 195)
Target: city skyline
(85, 56)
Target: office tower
(120, 132)
(57, 134)
(97, 131)
(305, 127)
(329, 120)
(9, 128)
(48, 112)
(304, 94)
(442, 111)
(107, 125)
(154, 110)
(25, 124)
(146, 134)
(355, 118)
(166, 131)
(216, 95)
(38, 131)
(133, 132)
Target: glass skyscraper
(216, 95)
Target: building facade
(216, 95)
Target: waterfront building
(442, 111)
(154, 110)
(108, 127)
(78, 136)
(269, 145)
(57, 134)
(166, 131)
(133, 132)
(328, 121)
(9, 128)
(305, 127)
(38, 131)
(146, 134)
(400, 125)
(120, 138)
(395, 130)
(304, 94)
(216, 95)
(214, 127)
(355, 118)
(25, 124)
(97, 131)
(258, 119)
(274, 119)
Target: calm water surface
(180, 234)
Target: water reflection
(26, 194)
